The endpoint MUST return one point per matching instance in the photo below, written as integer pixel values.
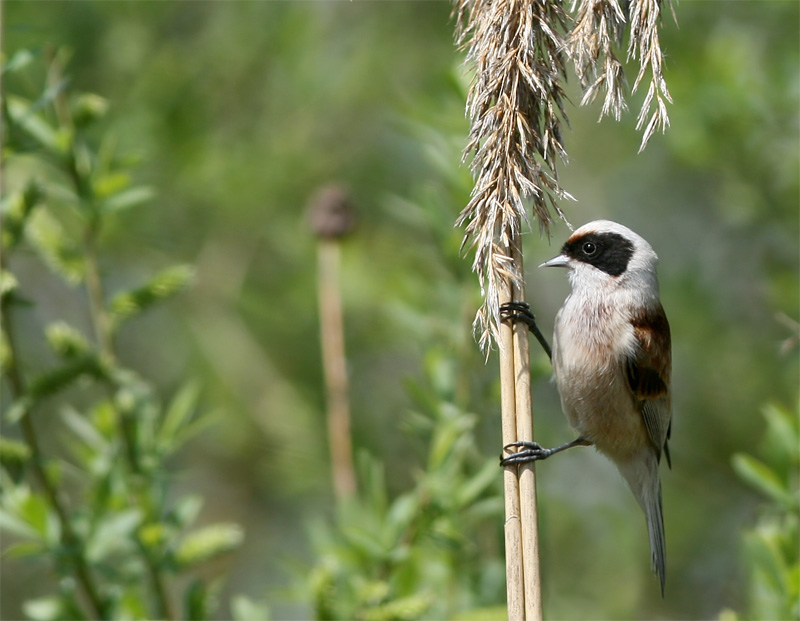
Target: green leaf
(34, 511)
(57, 251)
(245, 609)
(179, 414)
(16, 209)
(187, 509)
(13, 453)
(110, 184)
(8, 283)
(17, 526)
(87, 108)
(65, 375)
(43, 609)
(20, 60)
(165, 284)
(18, 409)
(113, 534)
(762, 478)
(84, 430)
(200, 600)
(207, 543)
(25, 549)
(763, 548)
(127, 199)
(783, 431)
(66, 341)
(21, 113)
(476, 485)
(409, 607)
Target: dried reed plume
(516, 107)
(599, 26)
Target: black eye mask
(608, 252)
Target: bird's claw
(517, 310)
(530, 451)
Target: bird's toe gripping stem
(529, 451)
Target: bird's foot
(517, 311)
(521, 311)
(530, 451)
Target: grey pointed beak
(559, 261)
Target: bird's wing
(648, 370)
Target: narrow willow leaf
(114, 534)
(84, 430)
(179, 413)
(43, 609)
(16, 208)
(87, 108)
(66, 341)
(207, 543)
(127, 199)
(762, 478)
(200, 599)
(111, 183)
(54, 246)
(165, 284)
(66, 374)
(20, 60)
(13, 452)
(22, 115)
(8, 282)
(245, 609)
(783, 431)
(17, 526)
(18, 409)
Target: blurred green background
(240, 111)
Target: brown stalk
(529, 511)
(332, 218)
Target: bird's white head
(604, 253)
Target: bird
(612, 362)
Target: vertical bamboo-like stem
(334, 365)
(331, 218)
(527, 472)
(515, 576)
(521, 526)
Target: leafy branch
(117, 536)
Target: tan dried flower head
(599, 28)
(516, 109)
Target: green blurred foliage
(772, 547)
(97, 510)
(238, 112)
(430, 552)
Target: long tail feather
(644, 481)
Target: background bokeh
(240, 111)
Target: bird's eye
(589, 248)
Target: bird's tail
(645, 483)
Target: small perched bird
(612, 359)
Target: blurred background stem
(334, 365)
(331, 218)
